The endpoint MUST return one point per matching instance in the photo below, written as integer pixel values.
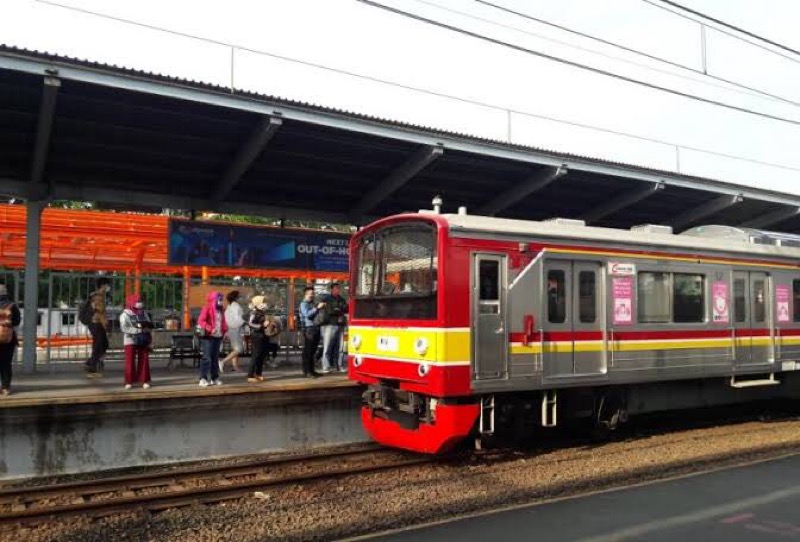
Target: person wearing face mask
(311, 334)
(211, 327)
(136, 325)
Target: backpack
(6, 329)
(86, 312)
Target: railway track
(154, 492)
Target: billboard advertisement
(231, 245)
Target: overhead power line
(751, 90)
(578, 65)
(723, 31)
(731, 26)
(421, 90)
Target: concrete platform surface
(755, 502)
(70, 385)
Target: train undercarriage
(432, 425)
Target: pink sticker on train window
(782, 302)
(720, 308)
(622, 290)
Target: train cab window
(739, 301)
(556, 296)
(587, 302)
(489, 287)
(796, 299)
(653, 297)
(759, 302)
(688, 298)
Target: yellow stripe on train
(453, 345)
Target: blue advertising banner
(228, 245)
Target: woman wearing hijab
(211, 327)
(258, 339)
(135, 323)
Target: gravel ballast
(361, 504)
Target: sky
(354, 56)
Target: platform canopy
(71, 129)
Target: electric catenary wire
(578, 65)
(752, 91)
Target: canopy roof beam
(616, 205)
(44, 129)
(521, 190)
(247, 154)
(690, 217)
(400, 176)
(769, 219)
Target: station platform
(70, 385)
(61, 422)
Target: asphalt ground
(760, 501)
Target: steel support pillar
(684, 220)
(400, 176)
(631, 198)
(521, 190)
(31, 307)
(769, 219)
(253, 147)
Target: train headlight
(424, 369)
(356, 342)
(421, 346)
(358, 359)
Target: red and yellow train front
(401, 341)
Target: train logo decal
(617, 269)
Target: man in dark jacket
(333, 328)
(10, 319)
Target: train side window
(587, 301)
(759, 302)
(739, 301)
(796, 299)
(653, 298)
(688, 298)
(489, 274)
(556, 296)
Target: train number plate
(388, 344)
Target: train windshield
(396, 273)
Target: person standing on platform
(272, 329)
(234, 317)
(137, 327)
(10, 319)
(211, 327)
(98, 328)
(333, 328)
(311, 333)
(258, 339)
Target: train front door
(490, 333)
(573, 319)
(752, 319)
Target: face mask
(139, 305)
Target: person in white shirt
(234, 316)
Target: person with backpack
(211, 327)
(10, 318)
(258, 339)
(93, 315)
(137, 327)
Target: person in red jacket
(211, 327)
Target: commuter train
(466, 326)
